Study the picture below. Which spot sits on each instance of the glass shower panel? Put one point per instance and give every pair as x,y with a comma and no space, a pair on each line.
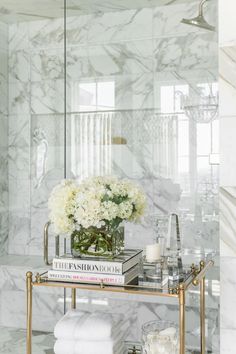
139,84
36,120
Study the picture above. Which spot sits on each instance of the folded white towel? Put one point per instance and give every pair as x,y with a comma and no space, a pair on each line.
86,347
81,325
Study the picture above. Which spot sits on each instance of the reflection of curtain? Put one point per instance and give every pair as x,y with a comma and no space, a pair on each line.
128,143
166,145
92,144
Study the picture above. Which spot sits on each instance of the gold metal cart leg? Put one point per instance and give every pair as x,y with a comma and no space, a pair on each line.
202,311
182,318
29,286
73,298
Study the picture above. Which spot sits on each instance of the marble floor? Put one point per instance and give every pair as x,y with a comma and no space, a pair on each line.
13,341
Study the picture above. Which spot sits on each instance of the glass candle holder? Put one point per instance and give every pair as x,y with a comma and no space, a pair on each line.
160,337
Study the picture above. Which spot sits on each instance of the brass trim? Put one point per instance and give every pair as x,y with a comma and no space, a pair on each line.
45,243
29,288
73,298
202,310
182,318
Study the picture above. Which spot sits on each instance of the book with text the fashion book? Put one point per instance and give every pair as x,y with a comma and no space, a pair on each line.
94,278
118,265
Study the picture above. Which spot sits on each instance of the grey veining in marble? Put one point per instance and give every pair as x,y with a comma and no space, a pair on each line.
227,221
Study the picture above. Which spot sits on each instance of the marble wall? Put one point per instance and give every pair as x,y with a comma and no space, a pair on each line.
227,29
3,137
150,60
140,52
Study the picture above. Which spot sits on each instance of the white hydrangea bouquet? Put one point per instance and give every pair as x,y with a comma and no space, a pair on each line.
92,213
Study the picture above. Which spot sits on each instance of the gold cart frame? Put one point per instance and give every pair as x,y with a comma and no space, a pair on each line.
195,278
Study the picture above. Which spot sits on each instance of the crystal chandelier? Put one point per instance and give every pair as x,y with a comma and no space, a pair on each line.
200,107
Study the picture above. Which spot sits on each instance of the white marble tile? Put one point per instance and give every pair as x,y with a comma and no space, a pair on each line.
188,52
227,24
109,60
19,98
3,131
18,36
19,231
4,220
228,146
77,31
227,81
47,97
13,341
4,36
19,66
47,33
19,162
227,221
47,64
227,341
19,195
119,26
227,300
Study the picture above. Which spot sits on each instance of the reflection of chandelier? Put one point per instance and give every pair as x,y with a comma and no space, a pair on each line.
199,107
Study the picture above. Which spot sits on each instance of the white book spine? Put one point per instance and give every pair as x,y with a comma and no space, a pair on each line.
87,266
86,277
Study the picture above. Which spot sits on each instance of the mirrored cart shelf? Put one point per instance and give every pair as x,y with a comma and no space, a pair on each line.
195,277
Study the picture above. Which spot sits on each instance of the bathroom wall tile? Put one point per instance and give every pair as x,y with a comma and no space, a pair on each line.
18,36
119,26
47,97
109,60
227,25
227,222
228,144
19,162
3,97
227,81
19,66
134,92
77,31
19,130
19,98
3,130
19,231
47,33
4,36
3,231
19,197
227,300
227,341
189,52
47,64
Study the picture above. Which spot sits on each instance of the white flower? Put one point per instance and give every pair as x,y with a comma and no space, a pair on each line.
61,206
97,202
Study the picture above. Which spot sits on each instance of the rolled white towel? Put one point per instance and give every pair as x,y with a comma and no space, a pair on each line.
68,324
82,325
87,347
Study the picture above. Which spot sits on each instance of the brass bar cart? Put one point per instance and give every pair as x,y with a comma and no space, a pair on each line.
196,277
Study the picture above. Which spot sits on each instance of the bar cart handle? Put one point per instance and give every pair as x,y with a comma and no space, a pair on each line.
45,244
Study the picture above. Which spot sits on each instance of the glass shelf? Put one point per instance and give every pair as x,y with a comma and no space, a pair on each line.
166,290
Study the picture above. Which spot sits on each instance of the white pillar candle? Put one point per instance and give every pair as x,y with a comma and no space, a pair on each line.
153,252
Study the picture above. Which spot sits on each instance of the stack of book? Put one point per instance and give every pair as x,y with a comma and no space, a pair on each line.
121,270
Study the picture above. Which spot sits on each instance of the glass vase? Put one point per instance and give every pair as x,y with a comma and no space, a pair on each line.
160,337
94,242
